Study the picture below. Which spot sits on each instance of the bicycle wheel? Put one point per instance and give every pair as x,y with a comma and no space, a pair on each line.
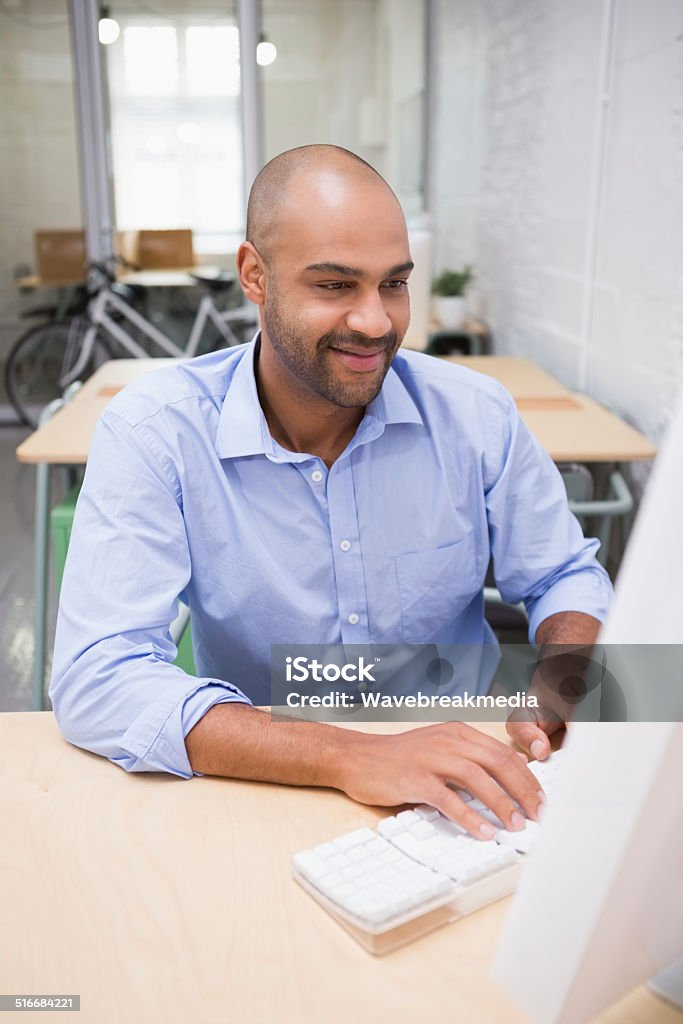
35,365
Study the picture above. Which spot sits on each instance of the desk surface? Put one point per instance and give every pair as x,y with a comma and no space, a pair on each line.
66,438
160,899
175,277
181,277
570,427
522,377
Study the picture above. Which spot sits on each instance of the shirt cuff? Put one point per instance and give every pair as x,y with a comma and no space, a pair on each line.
166,752
589,592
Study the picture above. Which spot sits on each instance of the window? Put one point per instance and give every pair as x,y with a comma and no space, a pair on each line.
176,132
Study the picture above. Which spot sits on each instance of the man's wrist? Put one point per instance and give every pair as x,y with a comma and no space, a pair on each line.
348,759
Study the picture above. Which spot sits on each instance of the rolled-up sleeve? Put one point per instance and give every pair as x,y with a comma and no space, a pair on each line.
114,689
540,555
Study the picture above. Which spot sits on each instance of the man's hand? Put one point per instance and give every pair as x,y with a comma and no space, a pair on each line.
422,765
566,641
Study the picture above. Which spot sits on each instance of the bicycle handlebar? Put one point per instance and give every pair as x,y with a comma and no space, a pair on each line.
100,272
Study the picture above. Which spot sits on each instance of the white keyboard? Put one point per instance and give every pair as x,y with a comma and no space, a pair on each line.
416,870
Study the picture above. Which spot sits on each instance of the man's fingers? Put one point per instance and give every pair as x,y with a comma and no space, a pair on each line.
450,804
501,780
531,738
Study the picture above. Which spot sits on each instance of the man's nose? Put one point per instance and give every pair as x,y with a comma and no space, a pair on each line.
369,316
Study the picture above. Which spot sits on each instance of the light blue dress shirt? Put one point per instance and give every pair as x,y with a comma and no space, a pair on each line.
186,493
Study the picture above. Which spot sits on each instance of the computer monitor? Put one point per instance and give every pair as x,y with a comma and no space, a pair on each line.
600,907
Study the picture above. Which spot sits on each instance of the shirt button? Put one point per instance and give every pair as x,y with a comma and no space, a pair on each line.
316,475
354,619
345,545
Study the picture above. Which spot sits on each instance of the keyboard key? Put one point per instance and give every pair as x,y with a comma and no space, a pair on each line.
427,812
485,812
408,818
422,830
390,826
337,861
310,865
361,835
521,841
324,849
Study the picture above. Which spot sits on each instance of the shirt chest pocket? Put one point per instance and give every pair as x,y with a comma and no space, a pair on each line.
435,587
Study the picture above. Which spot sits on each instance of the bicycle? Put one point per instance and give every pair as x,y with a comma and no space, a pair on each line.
49,357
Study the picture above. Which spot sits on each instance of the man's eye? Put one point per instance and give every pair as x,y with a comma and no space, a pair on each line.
396,285
333,286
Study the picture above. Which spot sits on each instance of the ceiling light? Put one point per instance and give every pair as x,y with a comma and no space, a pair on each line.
265,53
108,29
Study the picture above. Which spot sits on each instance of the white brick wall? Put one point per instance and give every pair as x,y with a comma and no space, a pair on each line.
515,146
38,154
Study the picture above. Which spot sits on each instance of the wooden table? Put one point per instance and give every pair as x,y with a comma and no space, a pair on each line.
66,438
158,899
571,427
175,277
522,377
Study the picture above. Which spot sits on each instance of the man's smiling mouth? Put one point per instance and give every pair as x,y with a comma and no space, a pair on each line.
359,359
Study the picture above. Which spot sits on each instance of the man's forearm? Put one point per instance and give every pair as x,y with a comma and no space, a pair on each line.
239,741
566,643
415,766
568,628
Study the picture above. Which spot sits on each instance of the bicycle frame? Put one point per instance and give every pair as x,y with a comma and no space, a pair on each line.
98,313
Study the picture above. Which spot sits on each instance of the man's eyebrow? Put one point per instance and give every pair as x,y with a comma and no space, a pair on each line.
343,271
402,268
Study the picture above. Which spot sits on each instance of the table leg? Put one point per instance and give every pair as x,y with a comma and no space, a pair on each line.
41,581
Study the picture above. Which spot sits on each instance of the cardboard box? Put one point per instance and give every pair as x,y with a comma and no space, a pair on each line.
60,256
157,249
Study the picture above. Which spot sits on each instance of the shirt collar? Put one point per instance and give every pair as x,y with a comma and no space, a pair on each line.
242,427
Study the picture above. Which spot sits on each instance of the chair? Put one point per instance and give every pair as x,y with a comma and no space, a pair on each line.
157,249
617,502
580,486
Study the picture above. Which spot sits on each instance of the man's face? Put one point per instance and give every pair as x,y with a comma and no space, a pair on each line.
336,305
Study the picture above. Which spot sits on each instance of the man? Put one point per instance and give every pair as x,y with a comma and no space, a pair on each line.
302,489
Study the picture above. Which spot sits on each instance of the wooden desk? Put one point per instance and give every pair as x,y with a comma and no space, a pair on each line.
180,277
164,900
173,278
33,281
571,427
575,428
522,377
65,439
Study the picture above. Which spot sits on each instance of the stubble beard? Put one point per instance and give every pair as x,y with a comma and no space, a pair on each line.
316,373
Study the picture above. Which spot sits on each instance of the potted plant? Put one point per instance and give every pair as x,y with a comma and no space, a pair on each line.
449,290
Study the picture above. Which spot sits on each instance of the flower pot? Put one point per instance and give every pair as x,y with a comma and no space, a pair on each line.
450,310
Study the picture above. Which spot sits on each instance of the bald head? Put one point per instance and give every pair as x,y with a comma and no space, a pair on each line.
288,179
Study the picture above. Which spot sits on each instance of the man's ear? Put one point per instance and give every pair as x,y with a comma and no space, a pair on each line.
251,273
